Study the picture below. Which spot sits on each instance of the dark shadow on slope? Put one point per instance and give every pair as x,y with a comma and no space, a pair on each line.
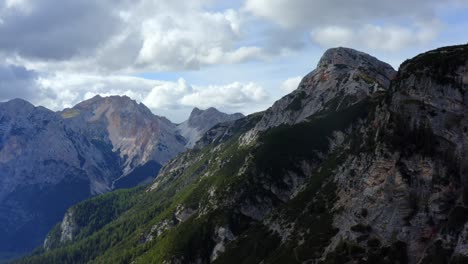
141,175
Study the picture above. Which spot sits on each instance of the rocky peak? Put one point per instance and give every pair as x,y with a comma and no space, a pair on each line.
355,59
342,78
17,106
18,114
195,112
18,102
129,127
115,103
201,121
210,116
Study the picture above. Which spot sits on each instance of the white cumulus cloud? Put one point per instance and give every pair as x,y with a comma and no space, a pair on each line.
173,99
232,96
379,25
290,84
387,38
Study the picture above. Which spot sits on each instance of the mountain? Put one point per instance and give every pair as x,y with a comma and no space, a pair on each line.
42,172
52,160
200,121
140,139
361,164
343,76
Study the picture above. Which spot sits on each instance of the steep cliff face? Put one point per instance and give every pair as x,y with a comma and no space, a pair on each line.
367,170
412,183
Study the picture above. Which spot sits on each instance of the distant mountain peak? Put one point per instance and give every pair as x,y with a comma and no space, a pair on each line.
201,121
19,102
113,99
18,106
200,112
99,105
196,111
51,160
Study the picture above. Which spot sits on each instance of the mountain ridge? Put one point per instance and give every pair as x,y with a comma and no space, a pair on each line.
340,76
52,160
375,173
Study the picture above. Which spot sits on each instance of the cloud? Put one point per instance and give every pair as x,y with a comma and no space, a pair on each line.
173,99
378,25
68,51
122,35
167,95
387,38
230,96
290,84
125,36
55,29
17,82
305,13
68,89
201,38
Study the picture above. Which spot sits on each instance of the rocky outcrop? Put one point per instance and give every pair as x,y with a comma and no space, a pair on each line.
222,237
68,228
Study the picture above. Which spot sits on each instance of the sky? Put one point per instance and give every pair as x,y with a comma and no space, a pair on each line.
235,55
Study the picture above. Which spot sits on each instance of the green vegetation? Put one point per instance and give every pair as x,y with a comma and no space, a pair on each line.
114,228
296,103
309,212
70,113
283,146
440,64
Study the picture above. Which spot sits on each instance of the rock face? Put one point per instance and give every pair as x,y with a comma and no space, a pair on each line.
52,160
343,77
200,121
43,171
413,183
358,165
128,129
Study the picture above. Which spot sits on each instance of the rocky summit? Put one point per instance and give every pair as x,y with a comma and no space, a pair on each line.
343,76
52,160
360,164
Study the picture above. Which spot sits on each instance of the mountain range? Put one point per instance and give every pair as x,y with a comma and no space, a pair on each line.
52,160
360,164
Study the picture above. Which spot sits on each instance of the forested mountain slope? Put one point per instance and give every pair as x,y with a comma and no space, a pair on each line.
360,164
